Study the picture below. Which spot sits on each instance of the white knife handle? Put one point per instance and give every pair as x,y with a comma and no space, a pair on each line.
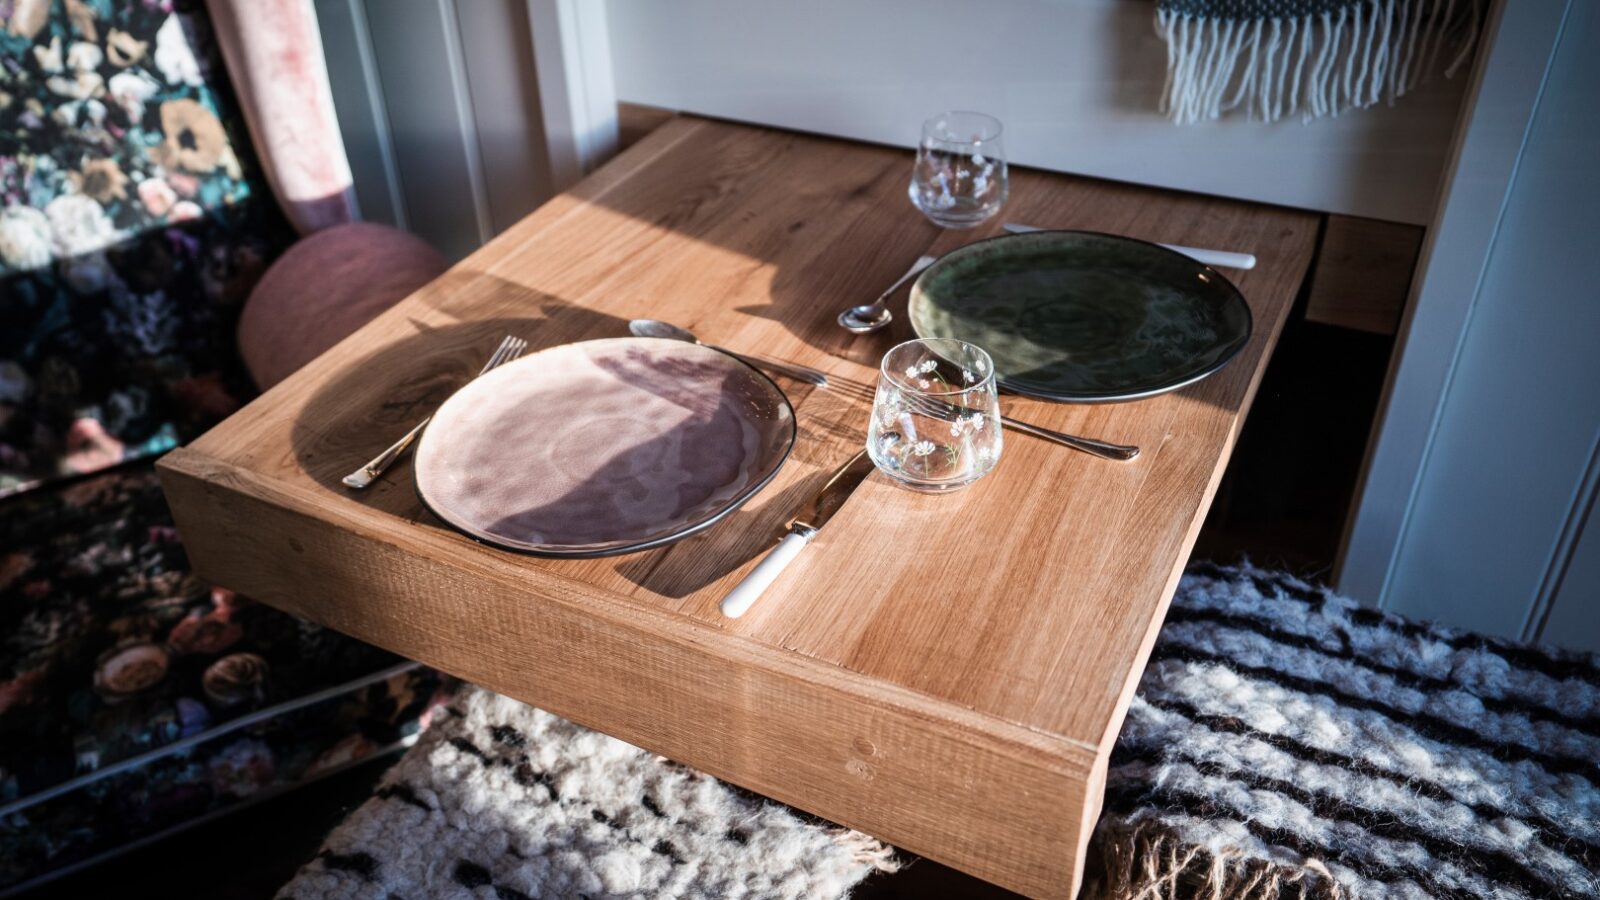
746,592
1225,258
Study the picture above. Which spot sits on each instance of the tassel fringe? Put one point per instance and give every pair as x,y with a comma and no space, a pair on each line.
1313,65
1147,861
865,850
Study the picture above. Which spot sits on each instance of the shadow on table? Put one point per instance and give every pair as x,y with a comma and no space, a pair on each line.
353,415
361,409
682,568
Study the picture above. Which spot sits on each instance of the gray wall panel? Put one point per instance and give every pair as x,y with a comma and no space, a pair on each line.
358,99
505,107
435,156
438,101
1508,467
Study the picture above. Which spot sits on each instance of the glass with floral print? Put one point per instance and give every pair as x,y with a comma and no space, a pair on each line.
935,420
959,179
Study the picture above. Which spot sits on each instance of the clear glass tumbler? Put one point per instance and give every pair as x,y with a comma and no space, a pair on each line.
935,420
959,179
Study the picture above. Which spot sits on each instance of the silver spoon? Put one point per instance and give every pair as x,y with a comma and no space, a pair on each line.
875,315
658,329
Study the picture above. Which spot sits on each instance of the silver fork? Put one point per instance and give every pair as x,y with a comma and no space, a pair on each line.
940,410
509,349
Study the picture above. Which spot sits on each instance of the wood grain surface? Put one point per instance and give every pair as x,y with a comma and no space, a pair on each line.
1362,278
946,672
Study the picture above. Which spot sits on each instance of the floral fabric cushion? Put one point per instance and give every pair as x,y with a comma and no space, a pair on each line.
133,223
111,649
243,760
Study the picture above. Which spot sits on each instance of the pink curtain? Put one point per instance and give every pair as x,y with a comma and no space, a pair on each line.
274,55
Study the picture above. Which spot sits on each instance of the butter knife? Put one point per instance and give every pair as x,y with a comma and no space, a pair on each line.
805,526
1226,259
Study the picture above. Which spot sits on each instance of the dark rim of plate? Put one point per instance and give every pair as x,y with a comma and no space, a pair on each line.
652,543
1103,397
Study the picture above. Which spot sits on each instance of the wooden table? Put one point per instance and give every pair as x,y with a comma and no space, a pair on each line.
947,672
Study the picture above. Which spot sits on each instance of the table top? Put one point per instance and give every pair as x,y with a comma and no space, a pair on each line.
1023,606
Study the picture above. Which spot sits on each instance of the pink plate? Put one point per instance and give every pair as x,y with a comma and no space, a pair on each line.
603,447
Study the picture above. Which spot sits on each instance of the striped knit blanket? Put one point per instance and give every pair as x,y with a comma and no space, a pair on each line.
1286,742
499,799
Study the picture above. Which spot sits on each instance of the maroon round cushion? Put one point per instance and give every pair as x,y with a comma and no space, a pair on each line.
324,288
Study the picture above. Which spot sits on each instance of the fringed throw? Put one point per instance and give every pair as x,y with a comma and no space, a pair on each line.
1288,743
1306,58
502,800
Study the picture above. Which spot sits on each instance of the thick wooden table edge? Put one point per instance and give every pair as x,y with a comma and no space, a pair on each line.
983,793
795,729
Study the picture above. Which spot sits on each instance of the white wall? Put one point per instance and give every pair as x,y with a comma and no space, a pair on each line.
1498,533
1076,83
439,107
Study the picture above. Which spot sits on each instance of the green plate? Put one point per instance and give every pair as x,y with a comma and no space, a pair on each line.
1081,316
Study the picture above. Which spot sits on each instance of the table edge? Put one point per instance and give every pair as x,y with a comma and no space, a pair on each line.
619,609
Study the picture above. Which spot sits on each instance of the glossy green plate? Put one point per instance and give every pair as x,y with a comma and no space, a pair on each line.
1082,316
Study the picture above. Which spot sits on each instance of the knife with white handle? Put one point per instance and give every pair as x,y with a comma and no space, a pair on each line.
1225,258
804,527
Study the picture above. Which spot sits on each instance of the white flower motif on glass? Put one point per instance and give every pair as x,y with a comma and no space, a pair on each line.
921,368
963,424
967,377
986,453
923,448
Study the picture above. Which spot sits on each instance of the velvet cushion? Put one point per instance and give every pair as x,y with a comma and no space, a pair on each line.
324,288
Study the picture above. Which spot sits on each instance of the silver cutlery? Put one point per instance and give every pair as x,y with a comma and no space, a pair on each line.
950,411
1227,259
509,349
802,529
875,315
658,329
1102,449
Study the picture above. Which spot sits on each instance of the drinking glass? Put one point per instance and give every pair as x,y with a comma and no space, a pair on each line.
959,179
935,420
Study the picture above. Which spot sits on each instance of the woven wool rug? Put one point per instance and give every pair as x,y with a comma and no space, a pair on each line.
499,799
1286,742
